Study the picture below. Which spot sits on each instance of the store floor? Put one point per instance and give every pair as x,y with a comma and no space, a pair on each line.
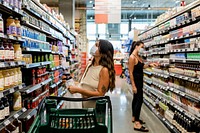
121,101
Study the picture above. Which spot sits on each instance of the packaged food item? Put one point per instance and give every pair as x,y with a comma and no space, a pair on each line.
18,27
1,24
6,107
18,52
1,81
6,51
11,26
6,79
2,116
19,75
17,101
2,52
11,51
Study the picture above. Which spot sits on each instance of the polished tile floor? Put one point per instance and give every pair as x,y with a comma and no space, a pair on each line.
121,102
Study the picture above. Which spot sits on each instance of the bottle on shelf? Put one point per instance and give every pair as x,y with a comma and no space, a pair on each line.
1,24
19,75
12,77
6,79
16,76
2,116
1,81
17,52
6,51
17,101
11,51
2,52
6,107
18,27
11,26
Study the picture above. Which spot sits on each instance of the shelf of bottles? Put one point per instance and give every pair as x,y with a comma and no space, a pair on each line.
173,89
35,50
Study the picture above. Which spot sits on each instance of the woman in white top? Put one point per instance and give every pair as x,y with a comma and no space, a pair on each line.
100,75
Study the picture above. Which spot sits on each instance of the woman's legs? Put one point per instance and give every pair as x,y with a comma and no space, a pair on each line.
133,106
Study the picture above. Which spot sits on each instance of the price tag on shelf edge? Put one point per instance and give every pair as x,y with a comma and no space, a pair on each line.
7,122
12,90
24,109
1,95
16,116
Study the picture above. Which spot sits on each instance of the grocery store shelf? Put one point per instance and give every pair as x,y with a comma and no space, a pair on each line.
10,37
32,88
26,23
185,50
55,68
11,90
195,80
34,40
38,64
13,115
42,74
56,84
196,61
181,93
174,103
165,121
195,4
9,10
8,64
28,114
160,86
62,94
148,81
161,75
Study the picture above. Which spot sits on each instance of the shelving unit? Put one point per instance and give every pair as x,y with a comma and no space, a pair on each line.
174,85
47,52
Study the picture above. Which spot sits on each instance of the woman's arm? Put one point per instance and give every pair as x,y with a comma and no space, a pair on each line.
150,65
102,86
131,64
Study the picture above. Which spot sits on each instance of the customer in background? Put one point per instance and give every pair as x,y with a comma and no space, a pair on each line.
99,76
136,66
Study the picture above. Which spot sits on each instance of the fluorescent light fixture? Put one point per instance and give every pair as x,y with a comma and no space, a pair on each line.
133,2
91,17
149,7
91,1
177,1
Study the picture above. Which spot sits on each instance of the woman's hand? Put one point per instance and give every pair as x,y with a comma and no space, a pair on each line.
134,89
73,89
154,64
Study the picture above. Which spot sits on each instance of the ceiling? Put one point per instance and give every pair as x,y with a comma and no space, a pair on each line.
135,8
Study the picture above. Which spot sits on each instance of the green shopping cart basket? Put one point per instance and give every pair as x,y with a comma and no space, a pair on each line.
88,120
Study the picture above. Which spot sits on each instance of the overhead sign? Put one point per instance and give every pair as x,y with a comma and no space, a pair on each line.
107,11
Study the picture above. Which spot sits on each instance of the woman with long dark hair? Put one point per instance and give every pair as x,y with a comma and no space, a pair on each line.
136,66
100,75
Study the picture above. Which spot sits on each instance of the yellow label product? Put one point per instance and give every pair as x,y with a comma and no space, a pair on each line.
11,26
17,101
1,81
17,52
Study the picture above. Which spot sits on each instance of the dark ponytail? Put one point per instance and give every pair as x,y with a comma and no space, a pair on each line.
133,45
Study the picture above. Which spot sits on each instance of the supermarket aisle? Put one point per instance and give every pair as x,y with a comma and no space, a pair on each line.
121,101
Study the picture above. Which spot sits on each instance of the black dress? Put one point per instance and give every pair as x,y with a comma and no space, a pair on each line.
138,97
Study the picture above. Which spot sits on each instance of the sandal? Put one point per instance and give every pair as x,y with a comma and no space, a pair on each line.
142,129
141,122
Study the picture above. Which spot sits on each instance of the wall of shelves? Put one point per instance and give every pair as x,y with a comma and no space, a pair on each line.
175,85
48,50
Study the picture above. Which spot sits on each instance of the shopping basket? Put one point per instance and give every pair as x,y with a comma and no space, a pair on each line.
87,120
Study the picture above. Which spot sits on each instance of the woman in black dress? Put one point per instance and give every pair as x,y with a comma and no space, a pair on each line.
136,66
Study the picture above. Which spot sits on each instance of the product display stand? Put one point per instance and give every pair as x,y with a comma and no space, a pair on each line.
172,90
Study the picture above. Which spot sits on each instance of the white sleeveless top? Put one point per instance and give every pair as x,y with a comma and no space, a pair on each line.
90,82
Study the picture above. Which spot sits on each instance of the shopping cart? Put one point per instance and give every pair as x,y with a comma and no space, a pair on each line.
89,120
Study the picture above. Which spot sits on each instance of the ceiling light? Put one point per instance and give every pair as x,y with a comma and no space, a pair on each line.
149,7
133,2
91,17
91,1
135,18
177,1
